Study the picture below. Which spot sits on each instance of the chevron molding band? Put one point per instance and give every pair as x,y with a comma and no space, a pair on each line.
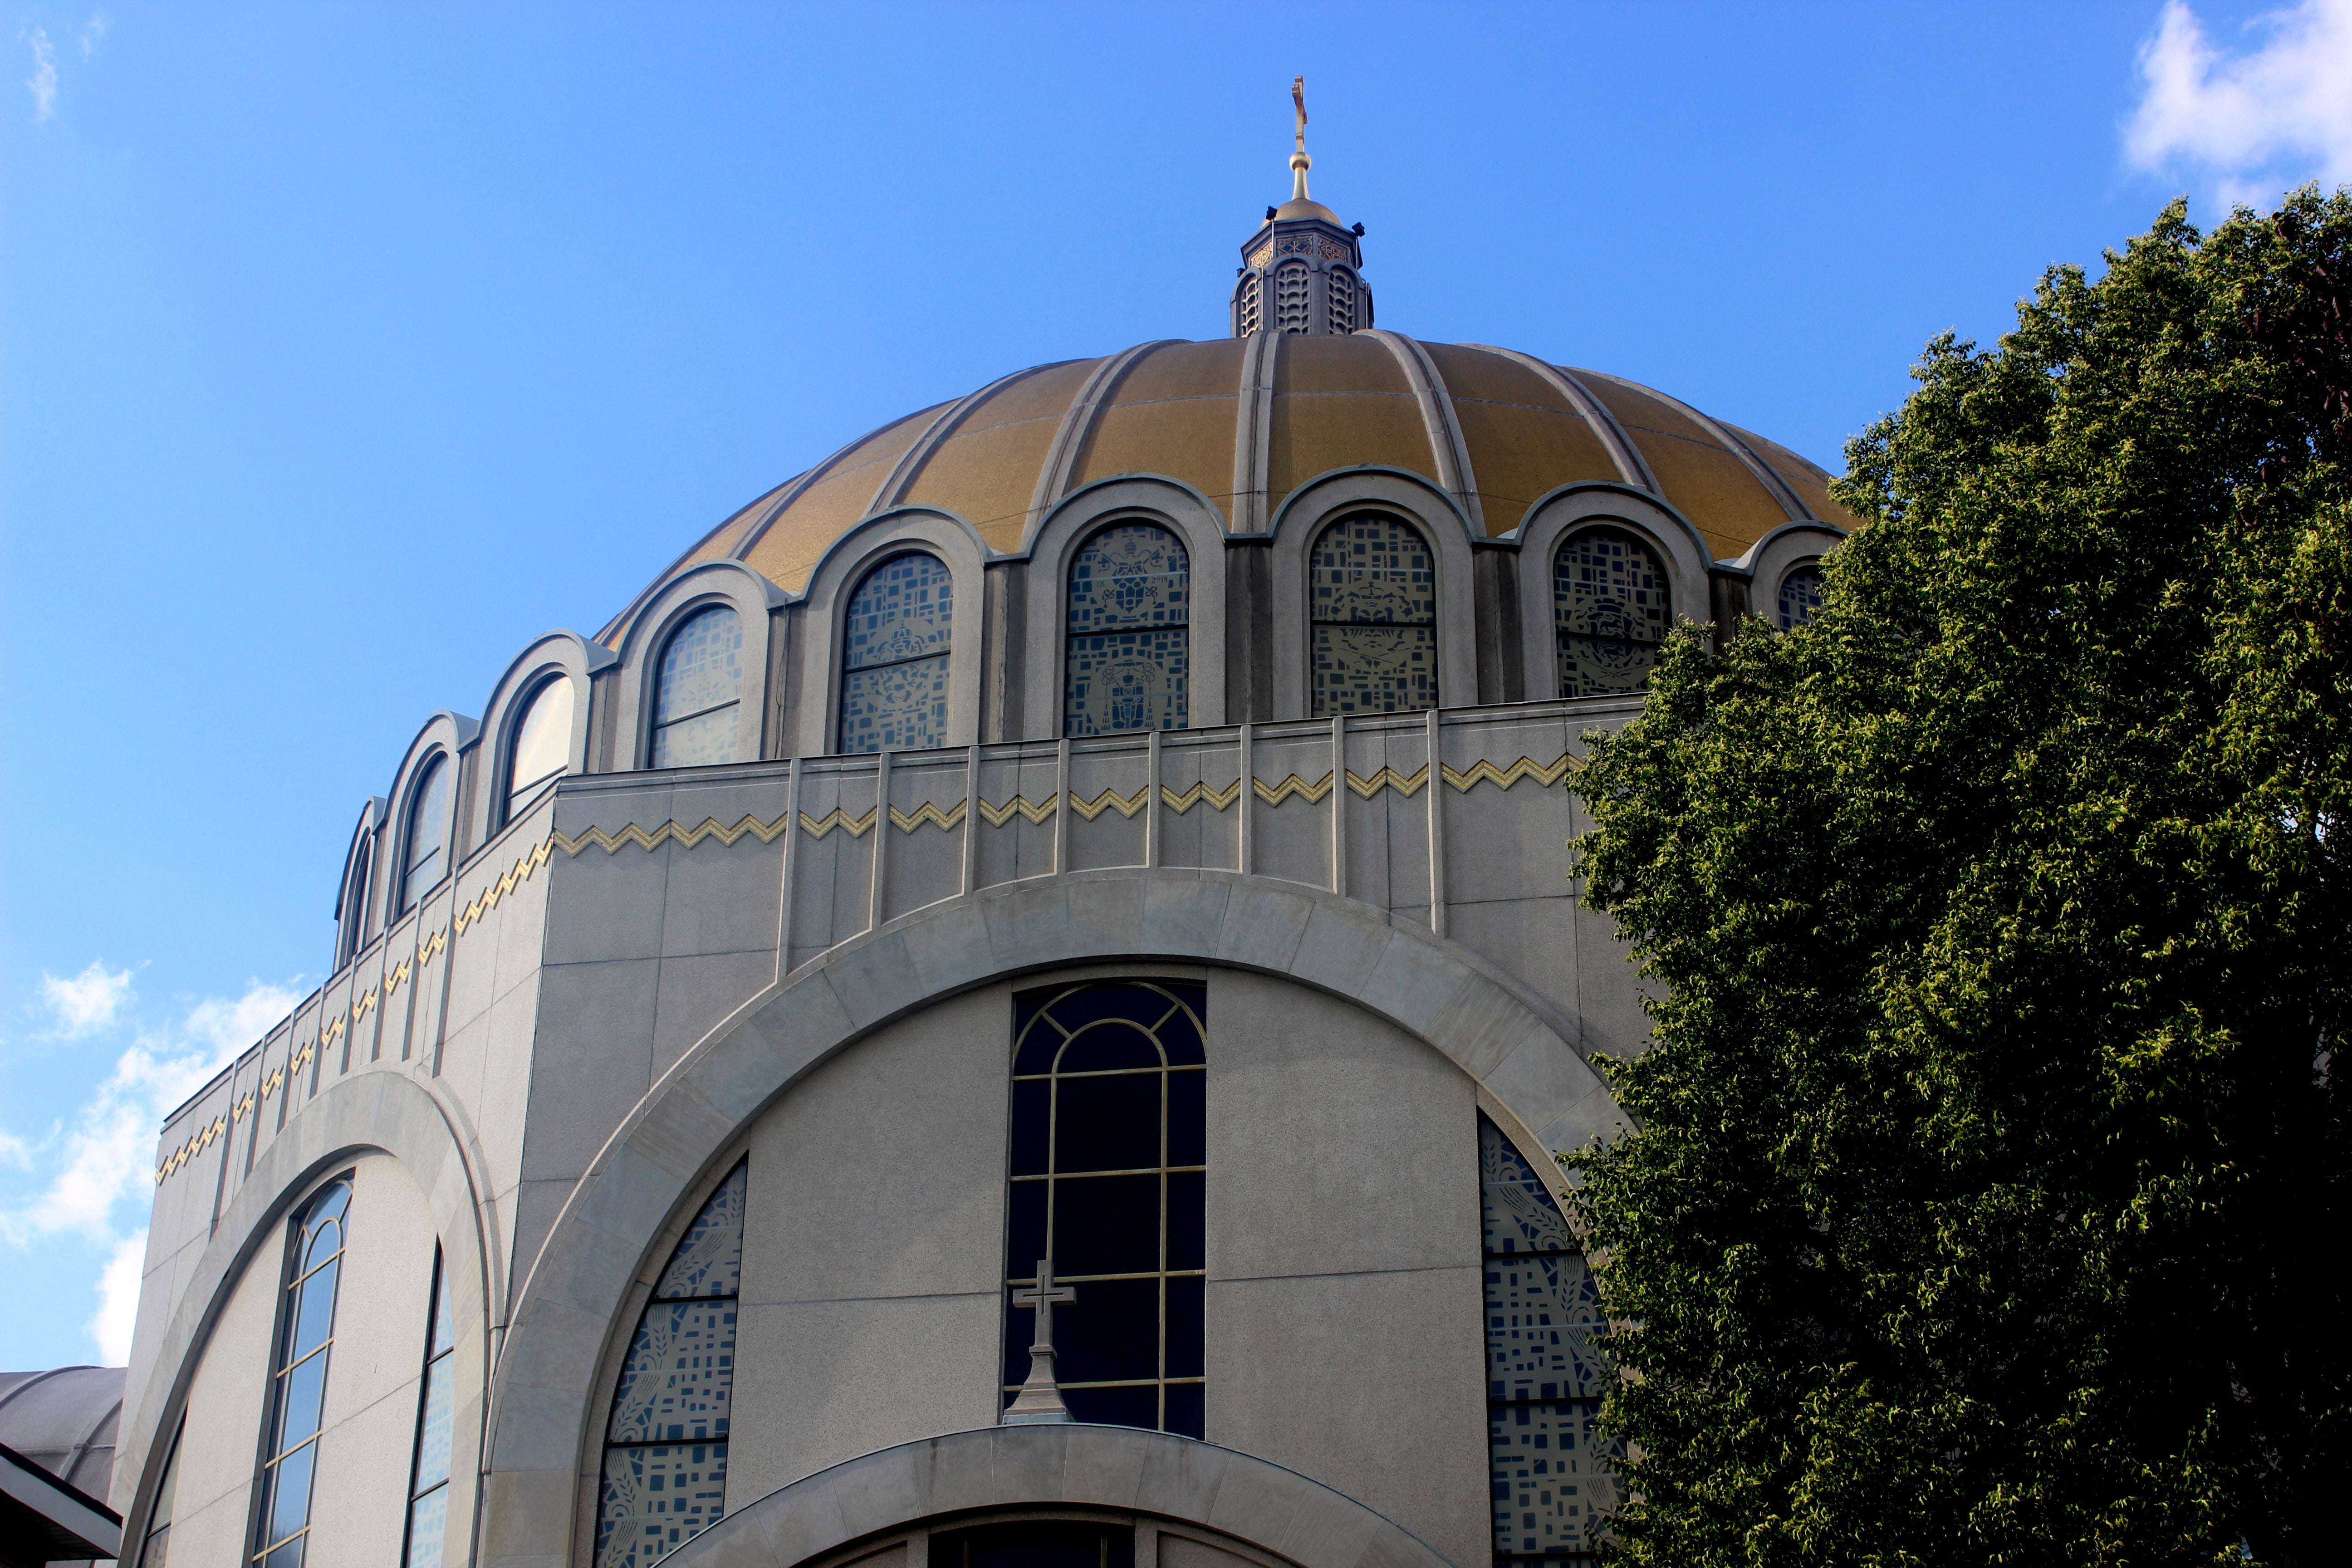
818,826
332,1032
1525,768
1185,800
1389,778
905,822
397,978
1292,785
708,828
1110,800
433,947
512,877
212,1132
998,815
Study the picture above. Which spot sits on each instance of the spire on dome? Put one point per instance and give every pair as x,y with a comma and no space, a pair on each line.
1300,272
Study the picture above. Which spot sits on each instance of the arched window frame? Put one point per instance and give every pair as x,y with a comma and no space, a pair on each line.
1410,498
1778,612
1641,641
454,737
844,566
439,768
1053,548
1678,545
646,638
878,592
353,904
291,1348
557,655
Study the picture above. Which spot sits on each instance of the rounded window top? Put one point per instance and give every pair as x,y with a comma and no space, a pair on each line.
1800,596
1611,612
427,858
543,744
896,637
1127,664
1372,586
697,689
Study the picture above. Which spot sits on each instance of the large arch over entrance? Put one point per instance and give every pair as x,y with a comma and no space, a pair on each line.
1525,1057
1123,1470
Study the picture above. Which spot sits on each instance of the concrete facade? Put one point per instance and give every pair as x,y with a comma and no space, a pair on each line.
807,963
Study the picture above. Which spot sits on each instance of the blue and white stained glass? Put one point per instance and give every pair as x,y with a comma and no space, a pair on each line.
1372,585
664,1477
1800,596
1129,653
1545,1371
1610,612
697,689
894,665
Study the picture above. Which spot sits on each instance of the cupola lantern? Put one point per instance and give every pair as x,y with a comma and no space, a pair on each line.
1302,271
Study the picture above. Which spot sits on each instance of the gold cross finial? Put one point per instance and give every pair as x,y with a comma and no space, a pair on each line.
1299,160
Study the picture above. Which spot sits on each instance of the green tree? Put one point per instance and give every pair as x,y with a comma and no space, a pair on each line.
1988,1199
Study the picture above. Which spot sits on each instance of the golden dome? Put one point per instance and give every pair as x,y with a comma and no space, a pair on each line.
1510,427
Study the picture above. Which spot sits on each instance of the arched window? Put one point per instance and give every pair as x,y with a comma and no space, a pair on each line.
1290,297
429,1470
305,1336
893,659
1109,1133
1608,610
1800,596
541,751
666,1445
1372,596
1544,1372
157,1547
1249,306
350,923
1342,286
1127,647
425,853
697,689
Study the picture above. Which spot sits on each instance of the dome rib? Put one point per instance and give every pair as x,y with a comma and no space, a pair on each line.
1078,424
892,490
1445,442
1621,451
1773,484
1253,435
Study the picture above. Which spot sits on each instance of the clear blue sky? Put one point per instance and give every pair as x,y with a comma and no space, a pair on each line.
348,347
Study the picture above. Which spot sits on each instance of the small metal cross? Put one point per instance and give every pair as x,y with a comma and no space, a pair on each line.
1043,1296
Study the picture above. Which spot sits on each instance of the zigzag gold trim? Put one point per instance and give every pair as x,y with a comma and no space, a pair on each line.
1109,800
274,1082
1292,785
905,822
514,877
708,828
363,1006
1525,768
998,815
1185,800
818,826
241,1108
188,1151
333,1029
304,1057
1389,778
433,947
397,978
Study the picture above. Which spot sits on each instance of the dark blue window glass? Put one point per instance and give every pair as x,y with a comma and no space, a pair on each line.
1109,1106
306,1340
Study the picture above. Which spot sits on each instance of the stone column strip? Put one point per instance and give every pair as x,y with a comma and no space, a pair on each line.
1253,433
1245,839
1339,804
789,864
1078,424
1064,797
1445,442
881,855
1152,802
971,820
1435,792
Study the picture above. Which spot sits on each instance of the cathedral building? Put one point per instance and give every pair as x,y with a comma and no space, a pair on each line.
1015,1005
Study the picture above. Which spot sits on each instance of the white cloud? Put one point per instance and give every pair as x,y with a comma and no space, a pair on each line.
118,1300
2253,122
43,82
93,30
88,1002
101,1157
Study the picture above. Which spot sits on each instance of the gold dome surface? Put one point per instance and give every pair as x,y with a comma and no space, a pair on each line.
1172,409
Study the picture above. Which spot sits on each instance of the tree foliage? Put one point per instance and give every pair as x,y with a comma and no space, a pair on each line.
1988,1200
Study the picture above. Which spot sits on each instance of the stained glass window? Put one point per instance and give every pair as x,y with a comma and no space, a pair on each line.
1371,587
428,1471
894,661
1608,610
543,744
306,1337
1129,647
157,1549
1544,1372
666,1447
428,833
1800,595
1109,1131
697,689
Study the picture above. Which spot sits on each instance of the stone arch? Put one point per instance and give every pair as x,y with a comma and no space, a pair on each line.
1524,1056
1126,1469
369,1113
